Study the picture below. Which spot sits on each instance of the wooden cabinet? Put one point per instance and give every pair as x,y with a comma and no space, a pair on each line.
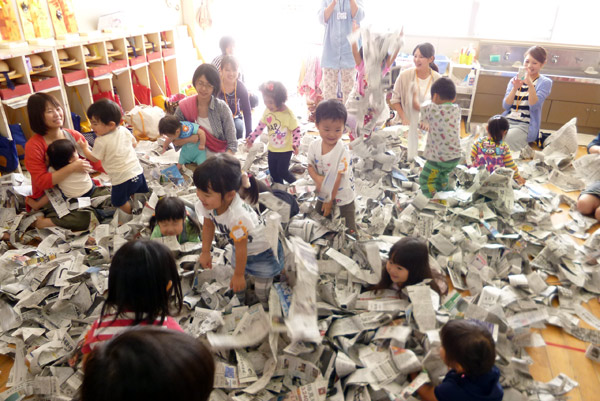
588,114
74,71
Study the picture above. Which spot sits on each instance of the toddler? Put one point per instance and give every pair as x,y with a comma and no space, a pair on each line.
189,136
171,218
468,350
492,152
284,132
114,146
218,181
330,164
441,118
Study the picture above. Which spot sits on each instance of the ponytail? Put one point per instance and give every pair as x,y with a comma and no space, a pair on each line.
434,67
249,190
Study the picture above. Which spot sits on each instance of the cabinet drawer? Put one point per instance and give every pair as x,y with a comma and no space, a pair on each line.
561,112
492,85
594,116
487,105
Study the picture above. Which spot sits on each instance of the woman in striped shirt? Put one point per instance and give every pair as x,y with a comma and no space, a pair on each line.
524,100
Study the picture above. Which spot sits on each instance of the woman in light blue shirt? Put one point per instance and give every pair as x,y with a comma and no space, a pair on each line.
337,59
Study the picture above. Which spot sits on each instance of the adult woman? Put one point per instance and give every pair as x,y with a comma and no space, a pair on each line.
234,93
524,100
46,117
212,114
413,85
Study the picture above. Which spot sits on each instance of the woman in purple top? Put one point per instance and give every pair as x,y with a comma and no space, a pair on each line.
234,93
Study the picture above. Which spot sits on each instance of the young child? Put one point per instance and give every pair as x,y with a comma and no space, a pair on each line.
441,118
330,164
492,152
142,280
61,153
190,136
218,181
407,264
468,350
284,132
171,218
114,146
148,363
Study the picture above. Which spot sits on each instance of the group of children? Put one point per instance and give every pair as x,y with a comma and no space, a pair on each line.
144,286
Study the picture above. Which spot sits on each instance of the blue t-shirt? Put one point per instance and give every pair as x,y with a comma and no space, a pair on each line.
188,129
468,388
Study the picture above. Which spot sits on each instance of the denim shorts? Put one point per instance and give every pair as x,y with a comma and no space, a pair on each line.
121,193
264,264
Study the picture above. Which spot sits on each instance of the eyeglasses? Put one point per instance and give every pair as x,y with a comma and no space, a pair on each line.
204,85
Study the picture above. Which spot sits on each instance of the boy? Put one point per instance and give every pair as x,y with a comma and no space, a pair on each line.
469,351
330,164
114,146
186,135
441,118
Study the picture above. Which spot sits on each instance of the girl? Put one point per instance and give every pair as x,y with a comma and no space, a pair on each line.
284,132
171,218
469,351
218,181
142,280
492,152
234,93
369,105
408,264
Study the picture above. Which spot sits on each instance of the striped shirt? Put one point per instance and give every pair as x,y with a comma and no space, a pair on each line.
486,152
519,110
111,327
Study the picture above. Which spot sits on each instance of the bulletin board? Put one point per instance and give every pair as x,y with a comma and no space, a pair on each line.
9,28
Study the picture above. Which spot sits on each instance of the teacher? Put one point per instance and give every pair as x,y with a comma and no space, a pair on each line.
337,59
46,117
524,100
212,114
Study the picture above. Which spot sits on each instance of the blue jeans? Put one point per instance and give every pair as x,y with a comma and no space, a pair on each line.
264,264
239,127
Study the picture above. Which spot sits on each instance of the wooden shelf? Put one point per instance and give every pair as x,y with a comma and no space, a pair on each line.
11,76
114,54
45,69
69,63
92,58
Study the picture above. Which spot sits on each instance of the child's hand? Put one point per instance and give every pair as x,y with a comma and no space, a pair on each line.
295,149
83,143
520,180
424,126
201,147
326,209
80,166
248,145
205,260
238,283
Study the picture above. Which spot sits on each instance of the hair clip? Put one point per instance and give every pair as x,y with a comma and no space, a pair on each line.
246,180
270,86
497,117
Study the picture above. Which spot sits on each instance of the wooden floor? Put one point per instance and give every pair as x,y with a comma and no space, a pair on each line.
562,353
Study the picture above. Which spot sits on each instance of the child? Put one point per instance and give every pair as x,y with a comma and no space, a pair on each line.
441,118
61,153
407,264
492,152
142,279
218,181
190,136
171,218
468,350
335,185
148,363
250,195
284,132
114,146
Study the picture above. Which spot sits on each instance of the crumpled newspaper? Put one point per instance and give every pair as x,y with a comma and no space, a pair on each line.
324,335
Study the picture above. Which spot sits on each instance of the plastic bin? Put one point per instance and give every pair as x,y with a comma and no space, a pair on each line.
442,63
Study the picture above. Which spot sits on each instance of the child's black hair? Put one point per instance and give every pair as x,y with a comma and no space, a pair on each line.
250,194
445,88
413,254
172,208
149,363
275,90
106,111
221,173
211,74
59,153
331,109
138,277
225,42
427,50
168,125
497,127
229,60
469,344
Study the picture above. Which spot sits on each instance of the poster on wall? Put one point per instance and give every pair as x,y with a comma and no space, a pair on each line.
63,17
34,19
9,28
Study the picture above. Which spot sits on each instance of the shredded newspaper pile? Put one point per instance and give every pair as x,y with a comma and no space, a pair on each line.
325,336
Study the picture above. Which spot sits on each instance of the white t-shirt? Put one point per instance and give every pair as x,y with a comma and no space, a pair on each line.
443,139
239,221
117,154
75,185
322,164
